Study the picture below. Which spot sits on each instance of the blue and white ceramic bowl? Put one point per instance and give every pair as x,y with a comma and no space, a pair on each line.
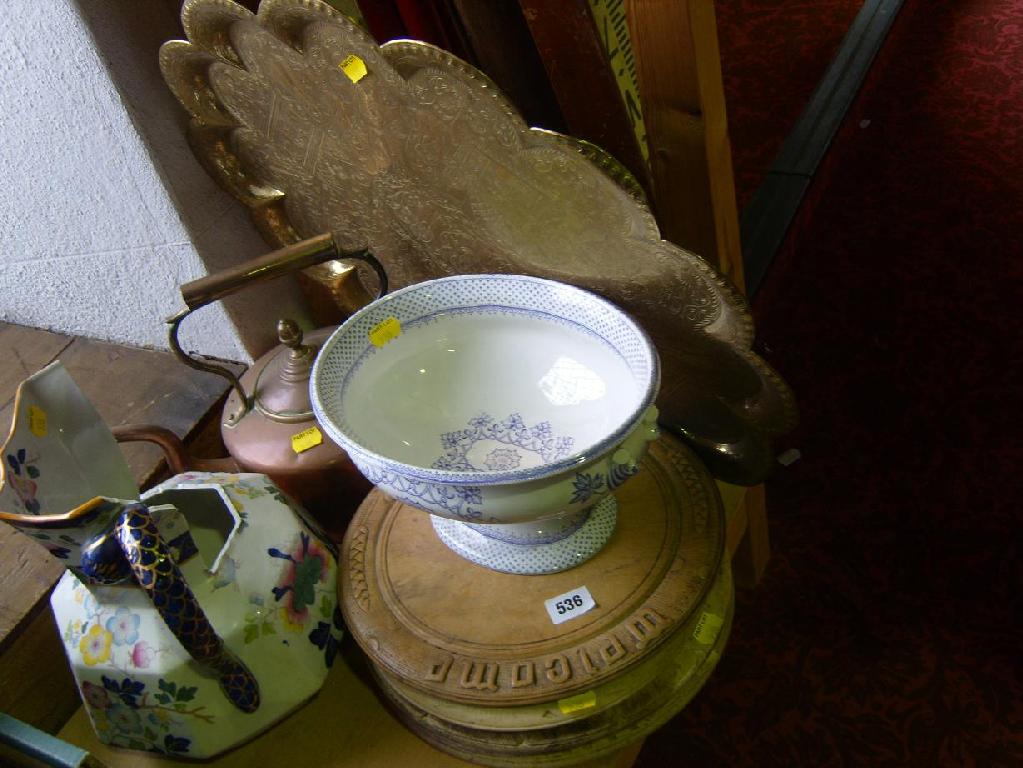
491,399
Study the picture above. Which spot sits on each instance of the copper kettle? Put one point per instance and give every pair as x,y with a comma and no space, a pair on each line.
267,423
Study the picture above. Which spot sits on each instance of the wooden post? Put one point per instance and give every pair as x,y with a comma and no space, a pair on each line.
679,69
678,64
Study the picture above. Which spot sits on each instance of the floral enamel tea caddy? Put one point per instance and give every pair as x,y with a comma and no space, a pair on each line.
193,618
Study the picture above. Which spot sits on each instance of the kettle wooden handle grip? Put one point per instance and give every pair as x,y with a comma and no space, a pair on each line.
283,261
291,258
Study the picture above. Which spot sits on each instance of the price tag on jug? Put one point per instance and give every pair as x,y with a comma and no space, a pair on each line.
569,605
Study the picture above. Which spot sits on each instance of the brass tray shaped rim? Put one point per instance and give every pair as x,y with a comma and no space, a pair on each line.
419,157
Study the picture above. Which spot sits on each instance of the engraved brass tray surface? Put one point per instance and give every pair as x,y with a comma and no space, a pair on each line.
463,633
423,161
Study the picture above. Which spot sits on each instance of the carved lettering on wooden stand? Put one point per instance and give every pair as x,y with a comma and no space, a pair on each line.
611,649
645,627
523,674
557,669
438,673
479,675
586,661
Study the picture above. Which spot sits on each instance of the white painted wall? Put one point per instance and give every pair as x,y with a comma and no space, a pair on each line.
104,211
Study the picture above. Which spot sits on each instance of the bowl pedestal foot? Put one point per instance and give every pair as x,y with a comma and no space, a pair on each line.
532,548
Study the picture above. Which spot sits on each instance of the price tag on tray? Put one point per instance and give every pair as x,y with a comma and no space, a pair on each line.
567,606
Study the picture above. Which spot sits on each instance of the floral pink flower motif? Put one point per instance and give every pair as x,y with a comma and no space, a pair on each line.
26,490
95,696
95,645
308,565
142,654
124,626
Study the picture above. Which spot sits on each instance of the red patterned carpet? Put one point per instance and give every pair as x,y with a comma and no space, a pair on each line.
888,630
773,54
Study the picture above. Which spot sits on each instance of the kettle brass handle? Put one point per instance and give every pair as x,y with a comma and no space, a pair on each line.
205,290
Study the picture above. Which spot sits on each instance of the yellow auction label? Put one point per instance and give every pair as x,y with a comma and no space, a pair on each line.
385,331
576,703
354,67
707,627
306,439
37,421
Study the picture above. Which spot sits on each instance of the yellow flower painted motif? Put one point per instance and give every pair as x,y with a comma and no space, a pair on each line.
290,625
95,645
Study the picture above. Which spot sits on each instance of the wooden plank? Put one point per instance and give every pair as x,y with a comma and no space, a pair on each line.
36,685
33,658
746,533
569,44
754,548
732,499
679,68
27,573
24,351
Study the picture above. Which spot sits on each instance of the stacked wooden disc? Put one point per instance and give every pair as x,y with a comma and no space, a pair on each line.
471,660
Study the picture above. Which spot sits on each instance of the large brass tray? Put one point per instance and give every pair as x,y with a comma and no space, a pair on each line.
417,156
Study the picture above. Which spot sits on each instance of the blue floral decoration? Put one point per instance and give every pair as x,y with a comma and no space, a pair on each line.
173,743
126,690
470,494
327,640
586,486
512,431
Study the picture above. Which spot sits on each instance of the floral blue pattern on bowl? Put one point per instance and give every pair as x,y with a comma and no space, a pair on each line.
537,445
352,402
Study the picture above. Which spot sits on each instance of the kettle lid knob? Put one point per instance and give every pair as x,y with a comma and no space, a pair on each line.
289,333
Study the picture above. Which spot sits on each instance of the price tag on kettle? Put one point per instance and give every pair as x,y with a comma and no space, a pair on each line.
567,606
306,439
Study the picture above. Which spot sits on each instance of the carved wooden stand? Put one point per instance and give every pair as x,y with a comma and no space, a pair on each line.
471,661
